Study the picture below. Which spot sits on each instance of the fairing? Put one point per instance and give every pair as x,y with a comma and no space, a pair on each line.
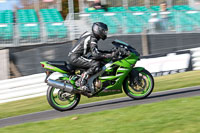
124,67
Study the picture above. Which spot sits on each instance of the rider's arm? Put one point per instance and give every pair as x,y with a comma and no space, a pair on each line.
103,51
96,53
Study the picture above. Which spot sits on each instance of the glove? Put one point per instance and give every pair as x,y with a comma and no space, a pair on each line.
108,56
115,53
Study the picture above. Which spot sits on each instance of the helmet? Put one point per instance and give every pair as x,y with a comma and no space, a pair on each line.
100,30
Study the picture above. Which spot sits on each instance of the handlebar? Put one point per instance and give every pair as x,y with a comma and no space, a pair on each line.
120,54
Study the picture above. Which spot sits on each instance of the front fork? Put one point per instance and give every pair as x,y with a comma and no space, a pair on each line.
134,75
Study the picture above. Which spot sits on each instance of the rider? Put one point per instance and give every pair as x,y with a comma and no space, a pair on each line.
87,44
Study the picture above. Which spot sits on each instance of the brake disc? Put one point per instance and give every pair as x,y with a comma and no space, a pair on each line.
140,86
63,96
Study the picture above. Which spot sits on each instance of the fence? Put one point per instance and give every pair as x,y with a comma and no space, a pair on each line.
19,34
135,22
34,86
146,3
124,22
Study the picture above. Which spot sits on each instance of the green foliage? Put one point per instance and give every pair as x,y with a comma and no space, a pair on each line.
65,7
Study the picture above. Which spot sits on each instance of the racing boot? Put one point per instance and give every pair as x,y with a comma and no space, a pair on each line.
83,82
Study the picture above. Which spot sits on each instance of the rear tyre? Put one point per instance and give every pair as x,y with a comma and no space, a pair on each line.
62,101
142,89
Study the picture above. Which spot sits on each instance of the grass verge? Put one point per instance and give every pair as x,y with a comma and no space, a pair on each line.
168,82
171,116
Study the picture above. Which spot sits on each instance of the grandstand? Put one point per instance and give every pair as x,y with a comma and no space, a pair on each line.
30,22
44,24
182,18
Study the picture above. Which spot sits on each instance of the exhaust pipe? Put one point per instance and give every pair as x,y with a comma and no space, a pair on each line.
67,87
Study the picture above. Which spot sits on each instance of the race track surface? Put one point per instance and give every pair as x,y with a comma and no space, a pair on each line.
102,105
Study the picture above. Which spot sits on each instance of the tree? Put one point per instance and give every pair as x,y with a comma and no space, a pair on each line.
65,7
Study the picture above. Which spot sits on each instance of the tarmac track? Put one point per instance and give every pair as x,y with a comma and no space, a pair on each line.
102,105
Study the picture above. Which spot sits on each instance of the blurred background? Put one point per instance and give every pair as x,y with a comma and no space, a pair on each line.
37,30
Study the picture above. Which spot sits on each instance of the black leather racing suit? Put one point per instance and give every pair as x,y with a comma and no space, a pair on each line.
87,44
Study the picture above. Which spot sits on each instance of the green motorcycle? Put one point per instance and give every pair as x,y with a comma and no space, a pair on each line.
117,73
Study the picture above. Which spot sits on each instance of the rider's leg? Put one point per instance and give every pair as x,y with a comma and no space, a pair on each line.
95,67
82,62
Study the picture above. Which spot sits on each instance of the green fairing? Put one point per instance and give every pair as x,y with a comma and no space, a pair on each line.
121,73
139,69
52,68
66,77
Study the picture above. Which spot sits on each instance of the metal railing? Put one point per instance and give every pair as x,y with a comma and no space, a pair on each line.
136,22
137,3
19,34
180,2
147,3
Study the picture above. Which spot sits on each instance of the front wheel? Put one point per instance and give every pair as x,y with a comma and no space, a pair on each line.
142,88
62,101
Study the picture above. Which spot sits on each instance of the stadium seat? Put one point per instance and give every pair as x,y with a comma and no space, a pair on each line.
6,24
194,17
28,24
53,21
155,8
135,21
182,7
107,18
138,8
116,9
121,19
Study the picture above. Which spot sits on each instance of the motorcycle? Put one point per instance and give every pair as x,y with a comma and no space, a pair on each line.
120,72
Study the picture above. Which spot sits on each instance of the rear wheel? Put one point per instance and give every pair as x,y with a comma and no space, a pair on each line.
62,101
142,89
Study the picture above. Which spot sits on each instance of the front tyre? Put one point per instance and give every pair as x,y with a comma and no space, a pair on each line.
142,88
62,101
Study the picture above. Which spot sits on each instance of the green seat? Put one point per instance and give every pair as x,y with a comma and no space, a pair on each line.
138,8
116,9
6,20
182,7
28,24
54,23
155,8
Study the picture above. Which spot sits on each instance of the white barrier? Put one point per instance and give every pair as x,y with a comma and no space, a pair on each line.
4,64
196,58
34,86
23,87
166,64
